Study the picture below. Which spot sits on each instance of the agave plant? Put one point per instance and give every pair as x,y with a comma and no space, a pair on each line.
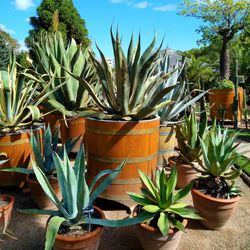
188,136
44,160
19,99
76,207
131,89
49,55
162,202
180,96
3,158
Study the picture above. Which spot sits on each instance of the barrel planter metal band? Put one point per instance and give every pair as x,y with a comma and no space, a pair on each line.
108,143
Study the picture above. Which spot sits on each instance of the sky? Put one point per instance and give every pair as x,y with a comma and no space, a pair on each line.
150,17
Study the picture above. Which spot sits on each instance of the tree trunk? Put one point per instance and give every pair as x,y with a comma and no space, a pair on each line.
225,60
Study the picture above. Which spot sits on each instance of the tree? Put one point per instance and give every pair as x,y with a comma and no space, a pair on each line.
223,19
7,44
58,15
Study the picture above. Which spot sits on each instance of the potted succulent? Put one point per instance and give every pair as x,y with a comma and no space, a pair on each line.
43,158
129,126
221,96
188,136
6,203
215,195
172,114
72,100
77,224
19,112
163,230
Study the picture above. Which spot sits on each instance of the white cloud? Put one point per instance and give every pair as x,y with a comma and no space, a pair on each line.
23,4
22,46
27,19
142,5
117,1
168,7
4,28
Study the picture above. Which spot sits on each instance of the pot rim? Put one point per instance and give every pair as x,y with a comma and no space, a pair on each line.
72,118
220,200
25,131
156,117
11,200
85,236
154,229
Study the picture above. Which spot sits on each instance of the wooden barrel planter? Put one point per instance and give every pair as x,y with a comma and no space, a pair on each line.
109,142
224,98
18,149
76,128
167,144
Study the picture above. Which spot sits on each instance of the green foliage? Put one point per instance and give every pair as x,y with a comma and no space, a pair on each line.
21,59
188,136
76,207
162,202
19,99
70,24
223,84
51,58
131,89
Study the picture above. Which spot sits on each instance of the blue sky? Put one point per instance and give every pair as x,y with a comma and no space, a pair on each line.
135,16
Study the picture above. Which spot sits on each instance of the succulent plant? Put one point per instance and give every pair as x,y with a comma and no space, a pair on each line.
19,98
3,158
188,136
51,58
223,84
162,202
76,207
130,90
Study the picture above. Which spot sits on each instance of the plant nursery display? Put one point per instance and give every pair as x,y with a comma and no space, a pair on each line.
163,230
74,223
188,136
215,195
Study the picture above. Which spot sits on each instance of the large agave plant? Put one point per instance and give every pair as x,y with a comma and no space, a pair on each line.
52,58
162,202
19,98
76,207
180,96
131,88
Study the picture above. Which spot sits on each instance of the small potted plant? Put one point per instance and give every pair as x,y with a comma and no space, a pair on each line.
43,158
76,223
163,230
221,96
6,203
188,134
215,195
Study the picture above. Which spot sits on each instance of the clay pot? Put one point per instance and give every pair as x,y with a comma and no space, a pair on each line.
151,238
167,144
185,173
6,210
76,128
224,98
89,241
18,149
38,195
54,121
109,142
216,212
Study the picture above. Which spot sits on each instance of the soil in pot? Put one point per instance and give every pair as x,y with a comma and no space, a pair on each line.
151,238
211,200
6,207
40,198
80,238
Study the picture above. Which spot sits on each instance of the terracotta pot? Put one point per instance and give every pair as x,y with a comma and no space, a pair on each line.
89,241
167,144
38,195
109,142
225,98
185,173
53,120
151,237
18,149
76,128
216,212
6,210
